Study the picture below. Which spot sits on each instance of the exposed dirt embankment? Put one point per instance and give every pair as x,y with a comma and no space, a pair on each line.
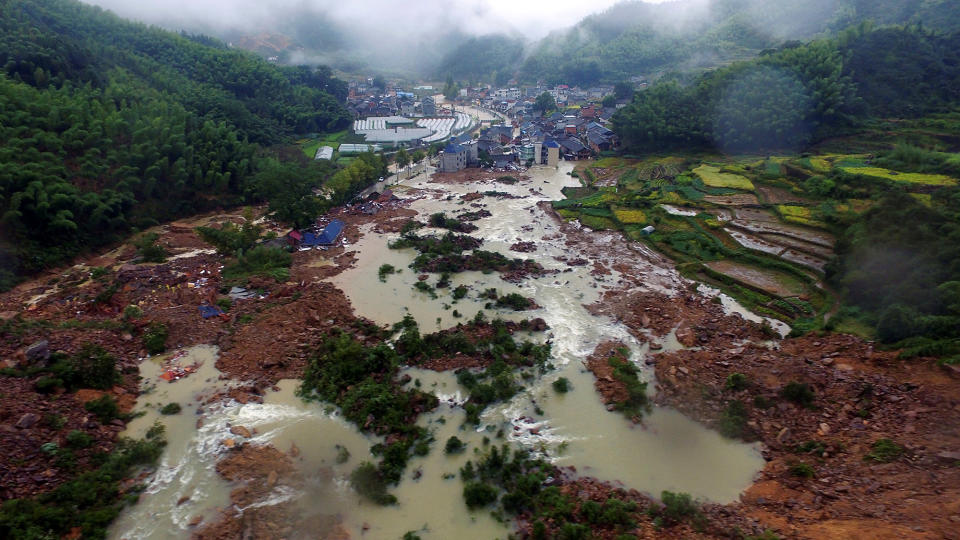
709,520
698,320
857,487
612,390
262,338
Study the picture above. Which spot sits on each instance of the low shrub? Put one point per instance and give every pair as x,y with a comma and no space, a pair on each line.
477,494
801,470
514,301
561,385
88,503
884,451
132,312
676,508
637,402
733,420
171,408
104,408
90,367
78,439
384,271
262,261
366,481
155,338
454,446
799,393
149,250
737,382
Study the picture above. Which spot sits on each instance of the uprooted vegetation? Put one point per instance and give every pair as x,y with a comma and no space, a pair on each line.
446,255
89,502
618,381
514,301
441,221
363,381
531,489
491,345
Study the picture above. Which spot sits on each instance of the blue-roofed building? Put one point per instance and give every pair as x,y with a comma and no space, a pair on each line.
330,234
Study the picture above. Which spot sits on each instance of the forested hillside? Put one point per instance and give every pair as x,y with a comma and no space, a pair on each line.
881,106
483,58
790,97
636,38
108,125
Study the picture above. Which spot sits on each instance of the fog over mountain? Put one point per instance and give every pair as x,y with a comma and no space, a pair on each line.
376,32
425,38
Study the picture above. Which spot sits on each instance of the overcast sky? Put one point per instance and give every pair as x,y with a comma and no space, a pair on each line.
533,18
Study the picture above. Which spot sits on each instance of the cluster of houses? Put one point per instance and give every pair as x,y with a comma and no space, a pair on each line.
365,100
578,130
540,141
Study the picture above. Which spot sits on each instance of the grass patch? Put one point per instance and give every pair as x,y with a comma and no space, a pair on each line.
884,451
260,261
712,177
907,178
630,216
597,223
801,470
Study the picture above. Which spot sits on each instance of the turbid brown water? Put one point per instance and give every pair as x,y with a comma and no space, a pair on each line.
667,452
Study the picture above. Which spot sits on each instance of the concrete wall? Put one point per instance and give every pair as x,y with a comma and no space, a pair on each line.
553,157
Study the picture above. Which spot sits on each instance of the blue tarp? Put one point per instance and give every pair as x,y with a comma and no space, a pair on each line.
210,311
330,234
309,240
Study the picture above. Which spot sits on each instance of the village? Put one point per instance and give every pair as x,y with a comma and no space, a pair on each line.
509,128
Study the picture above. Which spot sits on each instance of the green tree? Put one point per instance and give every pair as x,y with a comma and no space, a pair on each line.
623,90
545,103
402,159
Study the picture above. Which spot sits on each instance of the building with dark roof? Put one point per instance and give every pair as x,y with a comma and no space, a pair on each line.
453,158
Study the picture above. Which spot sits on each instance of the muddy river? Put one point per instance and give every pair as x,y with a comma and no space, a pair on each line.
667,452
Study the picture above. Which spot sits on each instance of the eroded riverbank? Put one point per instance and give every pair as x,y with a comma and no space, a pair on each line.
596,287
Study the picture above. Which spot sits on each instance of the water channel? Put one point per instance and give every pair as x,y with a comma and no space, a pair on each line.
667,452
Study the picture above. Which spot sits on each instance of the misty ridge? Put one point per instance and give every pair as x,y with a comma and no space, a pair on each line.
483,40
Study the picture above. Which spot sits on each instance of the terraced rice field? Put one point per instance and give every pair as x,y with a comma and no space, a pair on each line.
712,177
801,215
630,216
769,281
907,178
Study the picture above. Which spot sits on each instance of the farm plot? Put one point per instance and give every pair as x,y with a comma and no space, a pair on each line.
713,177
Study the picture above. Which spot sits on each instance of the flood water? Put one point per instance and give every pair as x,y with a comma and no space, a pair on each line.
667,452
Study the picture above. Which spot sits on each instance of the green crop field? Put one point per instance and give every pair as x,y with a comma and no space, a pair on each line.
712,177
910,178
630,216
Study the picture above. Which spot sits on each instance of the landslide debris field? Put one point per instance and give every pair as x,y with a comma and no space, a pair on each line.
856,443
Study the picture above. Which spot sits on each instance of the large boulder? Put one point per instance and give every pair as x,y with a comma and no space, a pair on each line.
38,352
28,420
